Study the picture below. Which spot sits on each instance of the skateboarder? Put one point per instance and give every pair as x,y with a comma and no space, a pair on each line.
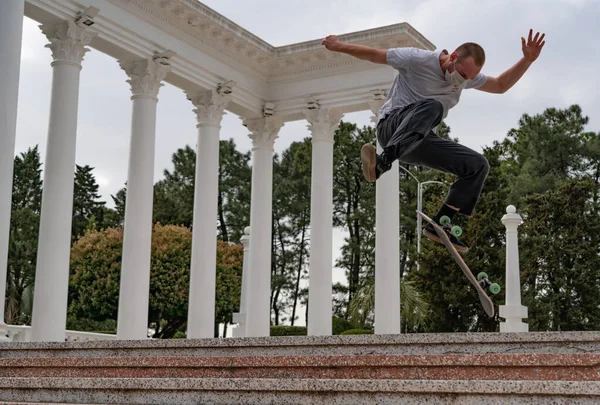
427,85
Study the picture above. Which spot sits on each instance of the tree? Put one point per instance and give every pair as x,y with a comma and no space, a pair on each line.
119,201
174,195
413,308
291,227
546,149
354,206
24,231
560,260
88,211
95,278
235,178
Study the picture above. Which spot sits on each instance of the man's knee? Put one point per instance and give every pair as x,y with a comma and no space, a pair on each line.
482,165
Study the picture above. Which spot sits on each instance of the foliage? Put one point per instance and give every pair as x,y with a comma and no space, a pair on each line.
95,277
23,237
288,331
358,332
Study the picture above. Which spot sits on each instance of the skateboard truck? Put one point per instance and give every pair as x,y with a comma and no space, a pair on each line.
484,282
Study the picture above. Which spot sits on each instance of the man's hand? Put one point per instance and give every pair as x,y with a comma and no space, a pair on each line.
533,47
332,43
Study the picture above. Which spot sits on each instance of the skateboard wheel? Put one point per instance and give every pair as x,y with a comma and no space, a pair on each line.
445,220
456,231
482,275
495,288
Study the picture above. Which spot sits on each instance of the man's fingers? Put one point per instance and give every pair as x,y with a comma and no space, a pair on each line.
530,33
541,38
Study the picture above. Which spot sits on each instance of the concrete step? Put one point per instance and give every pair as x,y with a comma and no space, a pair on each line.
482,368
556,367
450,343
150,391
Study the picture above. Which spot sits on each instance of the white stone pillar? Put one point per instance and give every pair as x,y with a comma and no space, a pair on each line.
513,311
49,317
11,32
263,132
322,124
145,77
240,317
387,245
210,107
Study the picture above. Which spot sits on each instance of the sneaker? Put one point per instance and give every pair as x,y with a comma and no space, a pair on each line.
373,165
429,231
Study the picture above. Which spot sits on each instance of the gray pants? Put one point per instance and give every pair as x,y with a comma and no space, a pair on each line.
407,135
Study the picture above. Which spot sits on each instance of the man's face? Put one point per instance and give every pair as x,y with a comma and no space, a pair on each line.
466,67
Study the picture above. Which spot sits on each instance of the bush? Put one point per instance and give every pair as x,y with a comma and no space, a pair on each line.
288,330
357,332
340,325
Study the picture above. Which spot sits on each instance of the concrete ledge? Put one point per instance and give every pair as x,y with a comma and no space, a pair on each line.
530,342
294,391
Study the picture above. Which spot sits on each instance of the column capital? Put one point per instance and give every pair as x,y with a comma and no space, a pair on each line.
67,40
145,76
210,106
323,122
263,131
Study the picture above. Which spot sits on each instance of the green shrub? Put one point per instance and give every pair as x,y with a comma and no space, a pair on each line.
288,330
357,332
340,325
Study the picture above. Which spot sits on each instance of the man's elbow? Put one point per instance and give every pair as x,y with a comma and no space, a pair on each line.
502,87
379,56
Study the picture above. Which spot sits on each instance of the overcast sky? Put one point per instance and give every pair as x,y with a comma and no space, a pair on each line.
567,72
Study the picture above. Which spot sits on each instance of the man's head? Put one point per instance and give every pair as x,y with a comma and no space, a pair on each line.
468,59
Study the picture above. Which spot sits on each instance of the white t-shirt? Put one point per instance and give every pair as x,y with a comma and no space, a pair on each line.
420,77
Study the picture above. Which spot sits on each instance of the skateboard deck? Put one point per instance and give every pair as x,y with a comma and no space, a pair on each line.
486,302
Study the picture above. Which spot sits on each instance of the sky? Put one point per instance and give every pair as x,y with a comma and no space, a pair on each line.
566,73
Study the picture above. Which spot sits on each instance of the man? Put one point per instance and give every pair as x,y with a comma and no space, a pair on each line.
428,84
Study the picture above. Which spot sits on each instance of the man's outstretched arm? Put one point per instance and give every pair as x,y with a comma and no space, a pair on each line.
531,51
332,43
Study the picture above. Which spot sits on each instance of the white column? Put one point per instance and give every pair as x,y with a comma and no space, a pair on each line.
145,77
240,317
11,31
263,132
67,42
322,124
513,311
387,246
210,107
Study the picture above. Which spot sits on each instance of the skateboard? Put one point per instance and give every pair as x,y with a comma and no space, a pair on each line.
482,281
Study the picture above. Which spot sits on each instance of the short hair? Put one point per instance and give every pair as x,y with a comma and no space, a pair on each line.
471,49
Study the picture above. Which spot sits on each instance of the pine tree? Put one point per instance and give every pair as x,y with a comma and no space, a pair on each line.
24,231
88,210
354,207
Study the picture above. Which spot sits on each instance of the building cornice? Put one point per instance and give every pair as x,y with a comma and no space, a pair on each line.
202,27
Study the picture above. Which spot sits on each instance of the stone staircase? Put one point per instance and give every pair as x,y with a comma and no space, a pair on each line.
481,368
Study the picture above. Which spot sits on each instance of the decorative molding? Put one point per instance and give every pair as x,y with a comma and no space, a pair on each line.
210,106
68,41
263,131
202,26
145,76
322,122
